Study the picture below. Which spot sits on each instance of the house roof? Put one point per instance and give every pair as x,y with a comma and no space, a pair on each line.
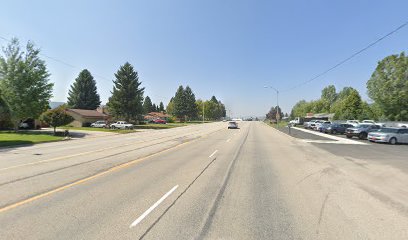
320,115
152,115
87,113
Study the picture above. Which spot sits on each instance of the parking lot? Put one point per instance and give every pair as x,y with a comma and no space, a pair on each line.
355,150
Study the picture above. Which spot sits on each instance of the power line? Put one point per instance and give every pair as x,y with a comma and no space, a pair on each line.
62,62
349,58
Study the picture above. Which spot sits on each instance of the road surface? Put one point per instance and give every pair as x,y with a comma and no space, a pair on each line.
198,182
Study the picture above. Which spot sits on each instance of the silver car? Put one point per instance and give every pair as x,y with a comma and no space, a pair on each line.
232,125
389,135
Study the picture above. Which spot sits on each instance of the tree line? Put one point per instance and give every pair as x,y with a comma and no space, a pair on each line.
387,87
25,91
184,106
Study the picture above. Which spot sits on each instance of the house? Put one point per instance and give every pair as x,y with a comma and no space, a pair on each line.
319,116
155,115
84,118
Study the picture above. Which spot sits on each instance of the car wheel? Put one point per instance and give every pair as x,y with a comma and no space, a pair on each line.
393,141
362,135
349,136
334,132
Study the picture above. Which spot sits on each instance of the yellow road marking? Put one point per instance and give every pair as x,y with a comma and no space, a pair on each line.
121,166
74,155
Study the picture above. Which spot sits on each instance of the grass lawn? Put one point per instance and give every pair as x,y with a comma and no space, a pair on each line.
281,124
159,126
96,129
142,126
10,138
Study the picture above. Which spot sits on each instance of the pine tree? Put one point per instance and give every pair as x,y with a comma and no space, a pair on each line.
154,108
180,106
83,94
170,107
127,95
24,82
147,105
161,107
191,109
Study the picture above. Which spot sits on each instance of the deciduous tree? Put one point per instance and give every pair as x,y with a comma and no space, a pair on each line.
56,117
388,86
24,81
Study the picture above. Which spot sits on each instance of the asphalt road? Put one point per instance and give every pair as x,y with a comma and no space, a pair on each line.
198,182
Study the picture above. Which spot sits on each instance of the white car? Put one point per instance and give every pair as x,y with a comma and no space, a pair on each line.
368,122
24,125
99,124
389,135
353,122
232,125
121,125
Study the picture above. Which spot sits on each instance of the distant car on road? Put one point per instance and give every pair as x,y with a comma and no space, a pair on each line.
232,125
121,125
361,131
99,124
389,135
336,128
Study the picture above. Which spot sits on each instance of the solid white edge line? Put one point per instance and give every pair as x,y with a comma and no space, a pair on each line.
212,154
139,219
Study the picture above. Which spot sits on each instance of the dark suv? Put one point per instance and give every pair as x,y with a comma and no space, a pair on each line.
336,128
361,131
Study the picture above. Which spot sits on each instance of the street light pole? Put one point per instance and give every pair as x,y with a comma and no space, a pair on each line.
277,102
203,111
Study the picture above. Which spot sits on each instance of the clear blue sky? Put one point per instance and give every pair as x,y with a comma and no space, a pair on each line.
229,49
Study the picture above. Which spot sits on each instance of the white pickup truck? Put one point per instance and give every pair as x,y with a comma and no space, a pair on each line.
121,125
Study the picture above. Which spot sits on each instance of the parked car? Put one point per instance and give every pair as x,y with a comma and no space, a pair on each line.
309,124
336,128
296,121
389,135
23,125
353,122
368,121
232,125
318,125
121,125
361,131
324,126
159,121
99,124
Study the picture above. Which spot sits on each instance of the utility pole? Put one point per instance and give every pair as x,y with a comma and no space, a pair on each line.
203,111
277,103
